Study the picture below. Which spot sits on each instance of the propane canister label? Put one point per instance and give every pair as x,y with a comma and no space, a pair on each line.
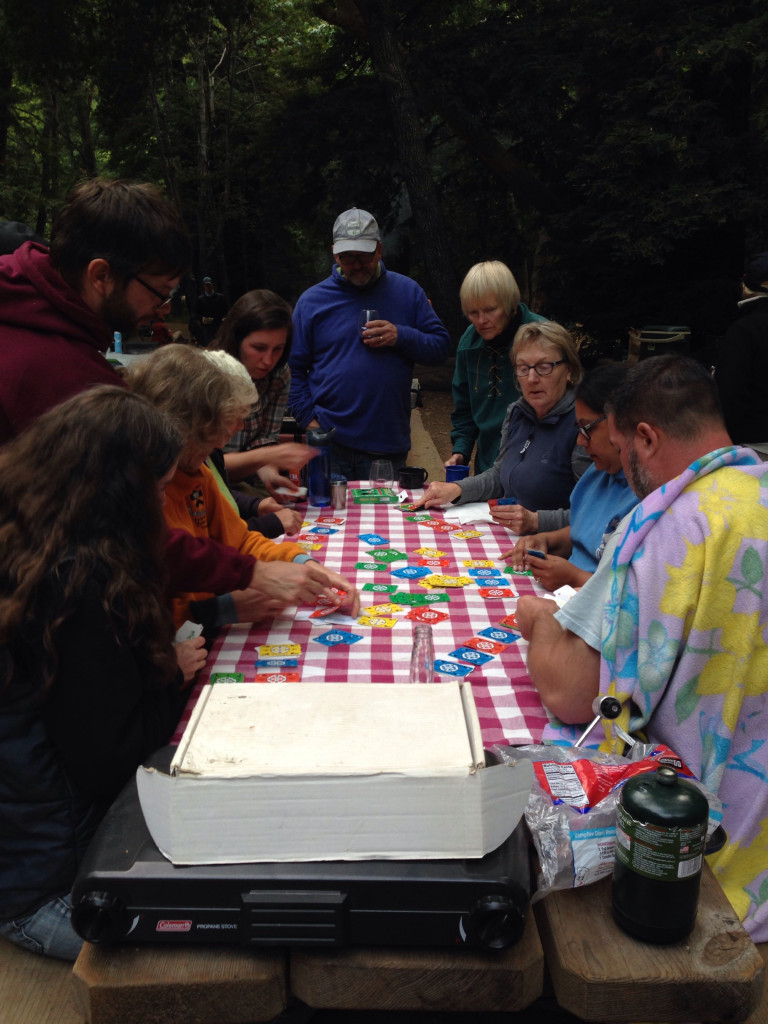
663,853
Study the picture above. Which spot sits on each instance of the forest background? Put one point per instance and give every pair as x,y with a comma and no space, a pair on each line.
613,154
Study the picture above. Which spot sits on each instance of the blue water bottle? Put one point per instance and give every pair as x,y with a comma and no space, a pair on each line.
117,343
319,469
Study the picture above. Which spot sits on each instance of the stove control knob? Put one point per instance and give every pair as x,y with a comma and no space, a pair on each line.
494,922
100,917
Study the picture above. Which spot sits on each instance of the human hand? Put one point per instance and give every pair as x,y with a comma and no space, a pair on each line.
515,518
352,598
253,605
276,484
191,655
457,459
290,519
438,493
291,455
295,582
551,572
529,609
516,555
379,334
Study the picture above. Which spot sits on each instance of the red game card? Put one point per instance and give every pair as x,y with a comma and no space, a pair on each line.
510,622
491,592
434,561
423,614
276,677
487,646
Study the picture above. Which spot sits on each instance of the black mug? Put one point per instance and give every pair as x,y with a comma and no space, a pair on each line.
411,477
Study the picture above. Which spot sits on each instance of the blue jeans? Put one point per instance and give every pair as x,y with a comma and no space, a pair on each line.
48,930
355,464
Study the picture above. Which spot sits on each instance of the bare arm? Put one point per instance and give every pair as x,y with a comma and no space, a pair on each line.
563,668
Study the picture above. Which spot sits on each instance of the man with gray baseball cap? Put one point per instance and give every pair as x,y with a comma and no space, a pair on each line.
357,378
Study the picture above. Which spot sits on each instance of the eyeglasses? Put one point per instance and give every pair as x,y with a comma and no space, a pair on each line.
542,369
586,430
165,300
346,259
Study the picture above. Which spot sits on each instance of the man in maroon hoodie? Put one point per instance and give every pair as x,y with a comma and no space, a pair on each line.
118,251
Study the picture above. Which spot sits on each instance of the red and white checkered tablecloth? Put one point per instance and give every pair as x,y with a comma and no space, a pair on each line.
509,707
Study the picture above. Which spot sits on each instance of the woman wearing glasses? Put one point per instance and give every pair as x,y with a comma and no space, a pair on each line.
573,539
539,460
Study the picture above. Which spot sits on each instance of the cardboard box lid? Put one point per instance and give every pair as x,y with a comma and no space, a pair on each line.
312,772
242,730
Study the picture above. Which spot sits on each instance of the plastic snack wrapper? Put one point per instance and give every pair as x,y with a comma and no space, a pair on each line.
571,811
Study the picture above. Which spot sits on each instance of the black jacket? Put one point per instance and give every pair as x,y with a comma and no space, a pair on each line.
742,374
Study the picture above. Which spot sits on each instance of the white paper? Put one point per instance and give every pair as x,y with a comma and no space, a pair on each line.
472,512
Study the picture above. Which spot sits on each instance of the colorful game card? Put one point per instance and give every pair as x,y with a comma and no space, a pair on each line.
495,593
328,530
266,664
430,552
469,654
330,521
482,643
373,538
479,573
412,572
334,637
227,677
381,588
467,534
383,609
387,555
438,563
423,614
288,650
517,572
420,517
492,581
308,545
501,636
372,566
509,622
478,563
452,668
378,621
277,676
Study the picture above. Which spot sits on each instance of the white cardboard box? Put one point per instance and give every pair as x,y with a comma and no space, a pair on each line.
332,771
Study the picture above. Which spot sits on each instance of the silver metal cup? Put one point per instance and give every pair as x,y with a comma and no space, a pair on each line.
338,492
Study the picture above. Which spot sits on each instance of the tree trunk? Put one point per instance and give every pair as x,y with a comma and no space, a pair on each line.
441,282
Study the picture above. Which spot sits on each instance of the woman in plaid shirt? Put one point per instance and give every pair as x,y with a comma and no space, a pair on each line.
257,331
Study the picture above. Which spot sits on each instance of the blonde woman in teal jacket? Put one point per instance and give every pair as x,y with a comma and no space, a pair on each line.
483,381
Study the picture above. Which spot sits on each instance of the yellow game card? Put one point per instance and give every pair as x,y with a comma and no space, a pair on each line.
430,552
468,534
478,563
383,609
377,620
279,650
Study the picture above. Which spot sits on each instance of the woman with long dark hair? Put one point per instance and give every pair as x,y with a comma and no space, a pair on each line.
89,677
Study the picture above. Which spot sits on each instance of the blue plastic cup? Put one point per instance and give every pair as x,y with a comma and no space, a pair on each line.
454,473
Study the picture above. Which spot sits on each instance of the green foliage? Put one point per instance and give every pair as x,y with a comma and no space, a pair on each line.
612,154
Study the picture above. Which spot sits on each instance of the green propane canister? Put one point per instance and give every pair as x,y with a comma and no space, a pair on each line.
661,833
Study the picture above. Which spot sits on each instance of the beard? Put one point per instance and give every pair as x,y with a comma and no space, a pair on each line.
639,478
118,314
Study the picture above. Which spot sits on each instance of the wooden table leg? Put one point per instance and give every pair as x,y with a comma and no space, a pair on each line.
414,979
600,973
176,985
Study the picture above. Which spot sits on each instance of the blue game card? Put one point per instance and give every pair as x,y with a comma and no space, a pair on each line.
482,572
453,668
412,572
373,539
337,636
501,636
471,655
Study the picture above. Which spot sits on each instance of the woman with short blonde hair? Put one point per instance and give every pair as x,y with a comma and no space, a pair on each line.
483,382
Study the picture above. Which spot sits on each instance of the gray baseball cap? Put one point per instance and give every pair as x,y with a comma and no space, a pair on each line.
355,231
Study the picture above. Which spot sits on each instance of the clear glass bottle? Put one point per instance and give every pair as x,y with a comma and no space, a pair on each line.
422,656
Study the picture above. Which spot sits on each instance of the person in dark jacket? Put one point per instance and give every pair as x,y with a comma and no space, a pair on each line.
90,680
539,459
742,360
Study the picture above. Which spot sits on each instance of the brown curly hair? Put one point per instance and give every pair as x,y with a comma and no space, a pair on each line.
78,501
